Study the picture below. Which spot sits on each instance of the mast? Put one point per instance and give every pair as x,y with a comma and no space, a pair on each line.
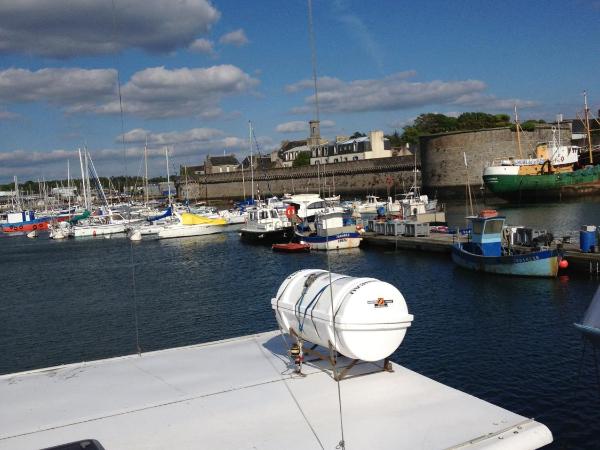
83,188
69,184
146,172
87,177
243,182
468,184
251,159
17,197
587,125
168,176
518,126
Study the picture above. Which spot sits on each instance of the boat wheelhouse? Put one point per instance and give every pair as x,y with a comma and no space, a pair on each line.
485,253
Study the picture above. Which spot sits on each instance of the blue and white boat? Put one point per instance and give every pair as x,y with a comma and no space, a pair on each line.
328,232
484,251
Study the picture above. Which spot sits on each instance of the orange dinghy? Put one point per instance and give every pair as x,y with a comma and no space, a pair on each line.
291,247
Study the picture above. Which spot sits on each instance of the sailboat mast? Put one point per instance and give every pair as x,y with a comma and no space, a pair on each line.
87,178
251,158
518,126
146,172
83,188
69,184
17,196
168,175
587,125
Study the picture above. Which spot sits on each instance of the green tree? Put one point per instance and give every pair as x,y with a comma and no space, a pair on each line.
357,134
303,159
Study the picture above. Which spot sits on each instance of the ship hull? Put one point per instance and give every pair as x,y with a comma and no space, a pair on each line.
270,237
536,264
580,182
25,227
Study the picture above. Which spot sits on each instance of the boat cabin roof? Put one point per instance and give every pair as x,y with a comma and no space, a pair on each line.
241,393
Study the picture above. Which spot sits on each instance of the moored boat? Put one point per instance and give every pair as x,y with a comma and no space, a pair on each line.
24,222
267,225
192,225
291,247
329,232
485,253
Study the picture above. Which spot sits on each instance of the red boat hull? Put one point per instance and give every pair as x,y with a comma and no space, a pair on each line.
24,227
291,247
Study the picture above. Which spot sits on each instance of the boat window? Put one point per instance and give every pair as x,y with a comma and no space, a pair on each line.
264,214
274,214
477,227
316,205
493,226
253,215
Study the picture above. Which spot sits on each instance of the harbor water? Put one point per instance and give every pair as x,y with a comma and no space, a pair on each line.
510,341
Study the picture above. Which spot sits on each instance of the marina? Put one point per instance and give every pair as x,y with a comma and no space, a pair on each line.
262,253
505,346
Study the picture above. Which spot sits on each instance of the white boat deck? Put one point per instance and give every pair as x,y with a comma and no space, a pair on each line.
240,394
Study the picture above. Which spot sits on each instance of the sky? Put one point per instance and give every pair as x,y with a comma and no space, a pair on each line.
191,74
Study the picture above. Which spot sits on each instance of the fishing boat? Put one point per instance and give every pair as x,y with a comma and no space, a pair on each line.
188,224
485,252
328,232
267,225
554,171
24,222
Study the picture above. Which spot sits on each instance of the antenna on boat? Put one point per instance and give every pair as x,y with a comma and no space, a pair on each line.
251,159
518,128
468,186
587,125
122,115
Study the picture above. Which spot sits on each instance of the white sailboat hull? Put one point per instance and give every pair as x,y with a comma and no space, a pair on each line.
96,230
175,231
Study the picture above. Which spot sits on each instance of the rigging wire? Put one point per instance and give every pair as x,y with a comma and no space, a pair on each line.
135,304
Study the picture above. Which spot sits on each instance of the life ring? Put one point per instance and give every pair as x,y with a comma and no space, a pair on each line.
290,211
20,227
35,227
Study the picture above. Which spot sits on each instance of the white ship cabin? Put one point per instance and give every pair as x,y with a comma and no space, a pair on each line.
266,218
331,222
23,216
307,205
558,155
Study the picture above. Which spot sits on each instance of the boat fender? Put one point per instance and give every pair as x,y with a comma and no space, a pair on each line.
290,211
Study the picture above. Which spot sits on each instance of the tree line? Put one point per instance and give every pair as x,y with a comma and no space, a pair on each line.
432,123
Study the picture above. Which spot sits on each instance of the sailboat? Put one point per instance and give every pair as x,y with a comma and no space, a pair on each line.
590,325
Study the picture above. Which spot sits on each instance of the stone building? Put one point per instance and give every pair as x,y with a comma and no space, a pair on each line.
221,164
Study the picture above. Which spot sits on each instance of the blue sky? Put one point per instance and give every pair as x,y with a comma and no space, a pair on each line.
194,72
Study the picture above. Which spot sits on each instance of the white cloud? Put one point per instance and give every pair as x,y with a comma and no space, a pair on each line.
397,92
202,46
491,102
393,92
237,38
7,115
300,125
139,135
65,28
62,87
153,93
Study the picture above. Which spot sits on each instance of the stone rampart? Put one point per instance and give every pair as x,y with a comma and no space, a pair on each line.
375,176
442,160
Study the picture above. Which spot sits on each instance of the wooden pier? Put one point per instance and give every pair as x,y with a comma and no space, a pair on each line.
579,262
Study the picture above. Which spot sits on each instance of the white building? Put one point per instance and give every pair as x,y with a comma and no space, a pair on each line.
374,145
